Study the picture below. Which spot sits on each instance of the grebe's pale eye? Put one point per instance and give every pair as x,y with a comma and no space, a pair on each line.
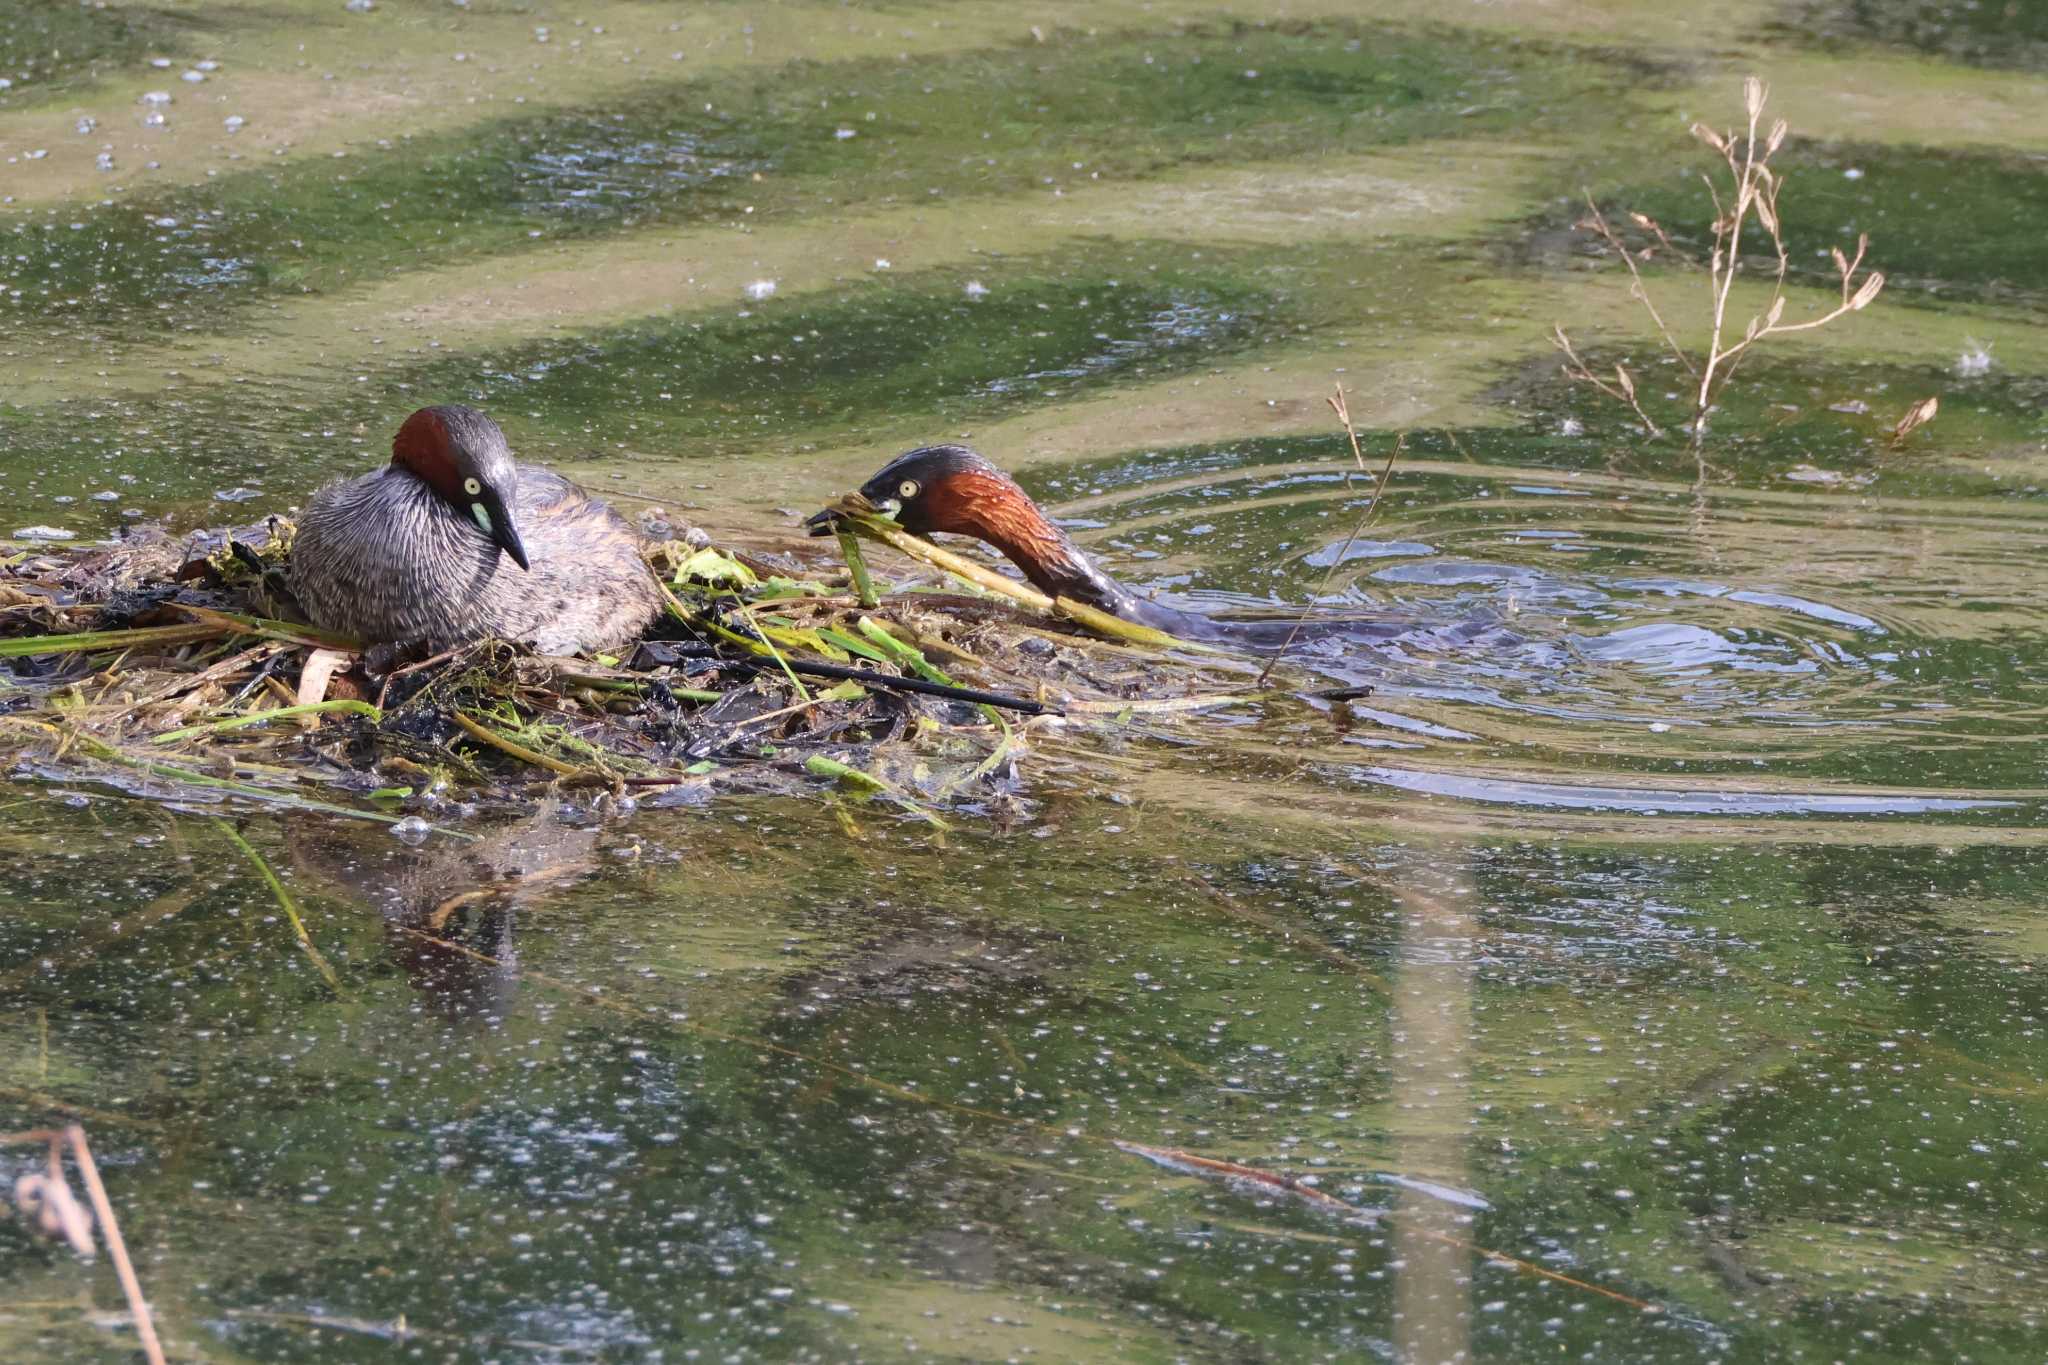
907,489
472,487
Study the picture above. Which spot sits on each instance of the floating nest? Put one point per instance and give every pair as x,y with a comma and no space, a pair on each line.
179,669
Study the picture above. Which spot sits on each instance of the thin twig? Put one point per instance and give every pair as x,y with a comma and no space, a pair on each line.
1639,291
1577,369
1343,411
110,1229
1756,189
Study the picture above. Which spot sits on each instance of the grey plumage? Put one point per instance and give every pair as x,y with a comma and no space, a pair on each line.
386,558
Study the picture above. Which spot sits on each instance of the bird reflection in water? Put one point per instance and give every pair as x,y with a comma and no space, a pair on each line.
450,909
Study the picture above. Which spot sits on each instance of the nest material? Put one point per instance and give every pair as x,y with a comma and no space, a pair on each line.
177,668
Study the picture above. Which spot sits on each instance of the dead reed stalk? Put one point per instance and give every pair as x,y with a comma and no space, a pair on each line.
1342,408
46,1203
1752,194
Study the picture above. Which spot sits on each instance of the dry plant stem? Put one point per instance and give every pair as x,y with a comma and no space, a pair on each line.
1343,411
1637,289
518,751
1756,193
1577,369
1755,190
117,1249
109,1227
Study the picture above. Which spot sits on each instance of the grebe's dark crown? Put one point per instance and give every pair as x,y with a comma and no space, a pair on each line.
923,467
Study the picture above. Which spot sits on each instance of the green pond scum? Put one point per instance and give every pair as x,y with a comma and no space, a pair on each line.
1947,223
1637,959
815,137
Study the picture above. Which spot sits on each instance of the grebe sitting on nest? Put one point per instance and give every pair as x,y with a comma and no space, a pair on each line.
454,541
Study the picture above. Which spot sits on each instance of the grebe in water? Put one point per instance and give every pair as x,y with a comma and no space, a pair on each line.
952,489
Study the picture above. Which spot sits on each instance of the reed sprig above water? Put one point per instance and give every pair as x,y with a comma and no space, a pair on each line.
1751,196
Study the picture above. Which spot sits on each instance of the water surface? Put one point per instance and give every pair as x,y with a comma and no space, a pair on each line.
1649,958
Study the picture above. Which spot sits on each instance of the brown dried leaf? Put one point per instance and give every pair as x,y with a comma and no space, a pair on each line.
1841,261
47,1204
1766,214
1917,416
1754,93
1710,137
1778,131
1628,386
1777,311
1871,284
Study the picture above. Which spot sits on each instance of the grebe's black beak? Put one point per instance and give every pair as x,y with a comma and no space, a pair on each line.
827,522
494,519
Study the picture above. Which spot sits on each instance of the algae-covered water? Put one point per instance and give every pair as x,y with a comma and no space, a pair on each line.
1663,963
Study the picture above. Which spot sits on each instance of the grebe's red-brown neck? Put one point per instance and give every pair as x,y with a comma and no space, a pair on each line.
952,489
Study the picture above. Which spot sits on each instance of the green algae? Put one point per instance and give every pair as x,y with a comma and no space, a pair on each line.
904,354
1996,33
755,147
1944,224
47,49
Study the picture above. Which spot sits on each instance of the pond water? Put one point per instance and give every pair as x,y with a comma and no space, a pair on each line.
1656,971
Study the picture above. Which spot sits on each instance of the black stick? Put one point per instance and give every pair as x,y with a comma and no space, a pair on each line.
868,677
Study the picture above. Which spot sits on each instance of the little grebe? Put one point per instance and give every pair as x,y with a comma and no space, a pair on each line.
454,541
953,489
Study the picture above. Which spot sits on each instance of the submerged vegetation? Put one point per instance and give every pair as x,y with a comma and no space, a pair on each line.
754,149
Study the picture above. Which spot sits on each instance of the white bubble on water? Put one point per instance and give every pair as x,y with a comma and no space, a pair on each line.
1975,359
760,289
975,289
